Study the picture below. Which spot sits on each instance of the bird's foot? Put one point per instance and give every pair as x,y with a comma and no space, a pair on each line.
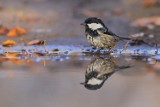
98,51
110,51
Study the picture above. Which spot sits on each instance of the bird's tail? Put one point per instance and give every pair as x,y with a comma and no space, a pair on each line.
136,41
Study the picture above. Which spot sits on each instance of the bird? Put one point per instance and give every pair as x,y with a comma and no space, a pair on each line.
99,70
99,36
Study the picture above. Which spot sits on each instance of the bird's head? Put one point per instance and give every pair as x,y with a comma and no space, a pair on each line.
93,23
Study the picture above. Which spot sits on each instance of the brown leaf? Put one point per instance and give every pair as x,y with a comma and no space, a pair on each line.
39,54
17,31
11,55
117,11
36,42
91,13
156,20
8,43
137,35
147,21
149,3
3,30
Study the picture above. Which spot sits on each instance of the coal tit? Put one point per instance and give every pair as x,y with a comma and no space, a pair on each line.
99,36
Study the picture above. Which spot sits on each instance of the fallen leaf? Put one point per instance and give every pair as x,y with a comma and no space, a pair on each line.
3,30
137,35
16,31
36,42
91,13
56,49
147,21
39,54
149,3
8,43
30,19
117,11
156,20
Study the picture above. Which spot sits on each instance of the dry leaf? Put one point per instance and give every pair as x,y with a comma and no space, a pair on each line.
147,21
91,13
17,31
36,42
117,11
137,35
149,3
8,43
3,30
39,54
156,20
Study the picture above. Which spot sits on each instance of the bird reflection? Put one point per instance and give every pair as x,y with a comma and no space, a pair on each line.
98,71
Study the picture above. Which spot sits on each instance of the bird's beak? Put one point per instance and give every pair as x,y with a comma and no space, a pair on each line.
82,83
83,24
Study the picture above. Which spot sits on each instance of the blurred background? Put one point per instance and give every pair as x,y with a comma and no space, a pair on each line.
49,18
38,80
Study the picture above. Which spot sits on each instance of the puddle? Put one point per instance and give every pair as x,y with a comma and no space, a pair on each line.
76,80
73,75
67,72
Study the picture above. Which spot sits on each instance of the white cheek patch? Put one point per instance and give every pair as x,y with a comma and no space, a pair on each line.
94,81
95,26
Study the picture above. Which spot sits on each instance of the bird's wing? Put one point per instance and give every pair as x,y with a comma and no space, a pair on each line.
118,37
105,34
111,33
107,31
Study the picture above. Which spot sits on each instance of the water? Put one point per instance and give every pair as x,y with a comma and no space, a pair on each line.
47,81
67,72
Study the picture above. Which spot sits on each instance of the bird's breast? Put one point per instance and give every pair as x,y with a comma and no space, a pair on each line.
101,41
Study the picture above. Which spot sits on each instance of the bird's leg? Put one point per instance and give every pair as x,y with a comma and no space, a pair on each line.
98,51
110,50
156,49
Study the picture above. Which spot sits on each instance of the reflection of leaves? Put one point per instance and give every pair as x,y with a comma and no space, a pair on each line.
36,42
153,66
11,55
9,43
16,31
17,61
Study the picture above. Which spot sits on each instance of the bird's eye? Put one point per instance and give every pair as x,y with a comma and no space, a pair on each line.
95,32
